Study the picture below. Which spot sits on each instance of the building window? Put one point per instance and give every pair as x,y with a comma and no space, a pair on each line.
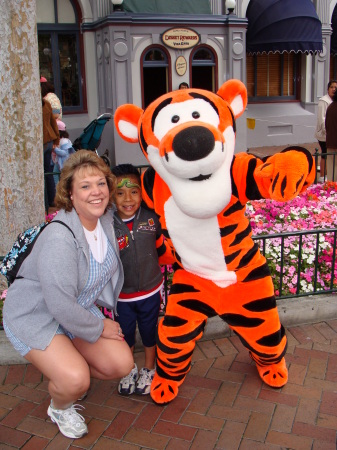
204,69
156,80
273,77
59,44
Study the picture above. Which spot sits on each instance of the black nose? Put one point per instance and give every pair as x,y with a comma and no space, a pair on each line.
193,143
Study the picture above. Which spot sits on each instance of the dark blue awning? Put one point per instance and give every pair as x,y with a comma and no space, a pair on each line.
283,26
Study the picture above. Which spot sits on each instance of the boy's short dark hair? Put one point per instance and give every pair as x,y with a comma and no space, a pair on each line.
122,170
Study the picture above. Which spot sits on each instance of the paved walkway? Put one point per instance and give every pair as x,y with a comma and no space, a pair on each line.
222,404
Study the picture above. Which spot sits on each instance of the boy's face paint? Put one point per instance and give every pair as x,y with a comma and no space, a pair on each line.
127,183
128,196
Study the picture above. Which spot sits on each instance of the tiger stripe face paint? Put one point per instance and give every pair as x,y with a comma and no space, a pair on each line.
127,183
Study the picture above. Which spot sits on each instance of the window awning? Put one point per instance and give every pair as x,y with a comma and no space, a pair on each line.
283,26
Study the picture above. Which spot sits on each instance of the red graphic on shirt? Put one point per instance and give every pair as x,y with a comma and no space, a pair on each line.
123,242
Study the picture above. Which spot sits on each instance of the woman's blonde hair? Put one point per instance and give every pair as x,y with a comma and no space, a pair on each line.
81,160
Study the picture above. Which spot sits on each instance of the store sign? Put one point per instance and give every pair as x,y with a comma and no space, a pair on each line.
180,38
181,65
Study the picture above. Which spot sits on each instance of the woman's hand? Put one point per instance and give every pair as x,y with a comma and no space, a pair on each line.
112,330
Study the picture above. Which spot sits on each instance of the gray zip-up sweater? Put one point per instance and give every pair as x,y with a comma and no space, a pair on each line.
54,274
140,255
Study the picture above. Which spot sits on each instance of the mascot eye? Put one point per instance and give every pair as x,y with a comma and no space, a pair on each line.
195,115
175,119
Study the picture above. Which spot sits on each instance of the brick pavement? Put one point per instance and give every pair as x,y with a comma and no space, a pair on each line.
222,404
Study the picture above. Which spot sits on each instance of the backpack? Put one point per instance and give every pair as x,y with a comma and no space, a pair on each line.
21,249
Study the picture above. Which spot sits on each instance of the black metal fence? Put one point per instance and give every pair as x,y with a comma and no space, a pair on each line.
312,256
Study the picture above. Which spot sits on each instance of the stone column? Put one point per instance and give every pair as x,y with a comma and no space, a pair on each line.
21,168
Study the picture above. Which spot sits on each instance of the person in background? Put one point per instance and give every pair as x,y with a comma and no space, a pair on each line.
183,85
49,95
65,148
320,132
51,139
142,249
50,314
331,138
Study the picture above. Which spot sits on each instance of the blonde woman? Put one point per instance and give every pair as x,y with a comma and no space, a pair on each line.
50,314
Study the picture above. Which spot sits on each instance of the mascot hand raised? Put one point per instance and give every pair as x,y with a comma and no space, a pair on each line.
199,190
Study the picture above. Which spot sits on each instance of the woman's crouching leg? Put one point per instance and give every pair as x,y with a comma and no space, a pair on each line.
66,369
107,358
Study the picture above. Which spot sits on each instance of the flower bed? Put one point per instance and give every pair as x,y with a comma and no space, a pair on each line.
312,210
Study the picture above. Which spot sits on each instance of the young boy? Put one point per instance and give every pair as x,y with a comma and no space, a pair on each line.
142,248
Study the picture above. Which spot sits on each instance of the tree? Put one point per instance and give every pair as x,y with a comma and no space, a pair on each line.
21,143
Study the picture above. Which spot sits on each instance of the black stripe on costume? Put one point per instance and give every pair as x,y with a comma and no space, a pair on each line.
261,305
203,97
164,363
271,340
249,255
252,191
283,185
299,182
257,273
226,231
237,206
169,366
143,142
233,119
275,182
181,358
161,105
161,250
187,337
231,257
238,320
198,306
165,349
253,350
239,237
166,376
173,321
180,288
148,182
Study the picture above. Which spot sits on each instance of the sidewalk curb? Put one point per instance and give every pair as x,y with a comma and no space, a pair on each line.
293,312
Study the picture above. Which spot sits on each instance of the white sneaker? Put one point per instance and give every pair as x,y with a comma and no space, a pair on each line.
143,385
127,384
71,424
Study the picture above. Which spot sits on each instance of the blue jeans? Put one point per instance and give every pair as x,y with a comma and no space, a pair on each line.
48,168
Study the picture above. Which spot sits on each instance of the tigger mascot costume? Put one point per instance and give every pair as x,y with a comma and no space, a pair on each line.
199,190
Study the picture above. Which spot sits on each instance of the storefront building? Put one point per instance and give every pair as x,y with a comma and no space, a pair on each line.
99,55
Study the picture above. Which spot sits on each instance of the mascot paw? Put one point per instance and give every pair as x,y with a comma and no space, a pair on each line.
275,375
163,390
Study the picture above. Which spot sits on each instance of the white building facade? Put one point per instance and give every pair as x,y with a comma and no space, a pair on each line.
98,57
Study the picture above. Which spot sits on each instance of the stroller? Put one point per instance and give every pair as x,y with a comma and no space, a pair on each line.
90,138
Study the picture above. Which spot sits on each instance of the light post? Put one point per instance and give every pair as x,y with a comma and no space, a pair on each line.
230,5
117,5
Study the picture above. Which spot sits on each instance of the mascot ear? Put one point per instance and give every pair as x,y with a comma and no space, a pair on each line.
235,93
126,121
